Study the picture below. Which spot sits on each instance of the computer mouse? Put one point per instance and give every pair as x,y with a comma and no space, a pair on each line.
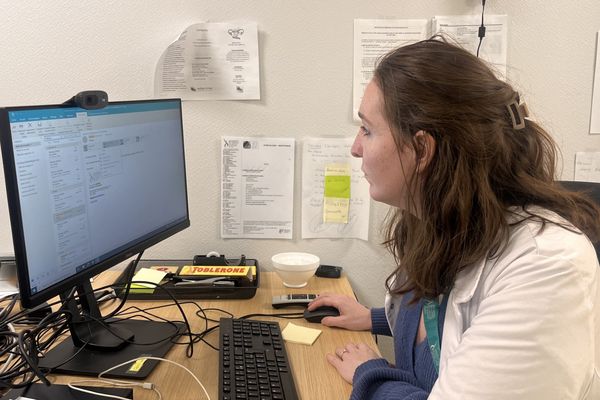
319,313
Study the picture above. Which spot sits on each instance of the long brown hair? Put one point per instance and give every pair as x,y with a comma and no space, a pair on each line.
481,167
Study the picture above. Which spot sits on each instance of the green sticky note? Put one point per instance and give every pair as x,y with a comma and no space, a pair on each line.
337,186
139,289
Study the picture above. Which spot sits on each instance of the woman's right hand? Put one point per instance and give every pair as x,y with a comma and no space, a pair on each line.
353,315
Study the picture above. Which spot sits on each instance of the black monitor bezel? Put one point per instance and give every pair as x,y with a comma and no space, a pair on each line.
29,299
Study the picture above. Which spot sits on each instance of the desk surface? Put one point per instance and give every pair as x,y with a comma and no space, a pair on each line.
315,378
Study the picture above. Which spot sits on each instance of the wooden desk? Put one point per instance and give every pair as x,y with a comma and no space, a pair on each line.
315,378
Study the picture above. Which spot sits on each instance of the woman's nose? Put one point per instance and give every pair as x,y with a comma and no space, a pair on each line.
356,149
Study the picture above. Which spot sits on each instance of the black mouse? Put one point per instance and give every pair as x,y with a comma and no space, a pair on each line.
319,313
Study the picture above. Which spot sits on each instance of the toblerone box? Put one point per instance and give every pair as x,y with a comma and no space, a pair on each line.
208,271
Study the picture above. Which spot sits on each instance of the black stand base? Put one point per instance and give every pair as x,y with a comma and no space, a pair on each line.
92,362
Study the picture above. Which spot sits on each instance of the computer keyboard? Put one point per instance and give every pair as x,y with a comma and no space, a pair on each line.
253,362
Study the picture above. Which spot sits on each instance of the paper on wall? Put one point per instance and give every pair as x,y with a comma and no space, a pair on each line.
587,166
374,38
317,154
464,29
211,61
257,187
595,118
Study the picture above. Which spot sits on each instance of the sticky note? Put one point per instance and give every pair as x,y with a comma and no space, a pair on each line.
146,275
299,334
337,186
137,365
336,192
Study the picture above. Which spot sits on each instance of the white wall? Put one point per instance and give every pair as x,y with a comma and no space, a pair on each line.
53,49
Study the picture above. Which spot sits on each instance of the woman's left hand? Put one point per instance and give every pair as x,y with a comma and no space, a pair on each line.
346,359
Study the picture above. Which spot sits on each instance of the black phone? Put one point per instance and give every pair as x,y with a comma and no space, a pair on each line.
329,271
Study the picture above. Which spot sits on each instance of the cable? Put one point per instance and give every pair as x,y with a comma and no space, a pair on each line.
5,312
145,385
20,352
107,327
481,32
278,315
11,355
190,350
73,386
30,356
132,266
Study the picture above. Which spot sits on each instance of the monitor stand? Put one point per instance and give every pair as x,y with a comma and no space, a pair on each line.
92,349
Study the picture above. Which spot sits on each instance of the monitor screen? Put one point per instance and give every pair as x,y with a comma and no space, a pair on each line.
89,188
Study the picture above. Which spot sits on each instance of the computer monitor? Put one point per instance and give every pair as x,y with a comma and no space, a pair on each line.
87,189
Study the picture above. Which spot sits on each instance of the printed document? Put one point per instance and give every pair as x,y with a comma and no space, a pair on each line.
320,156
374,38
257,187
464,29
595,120
211,61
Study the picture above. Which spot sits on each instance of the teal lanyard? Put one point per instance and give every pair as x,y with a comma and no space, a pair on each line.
431,311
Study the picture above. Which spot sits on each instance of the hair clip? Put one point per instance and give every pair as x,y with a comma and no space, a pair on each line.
518,112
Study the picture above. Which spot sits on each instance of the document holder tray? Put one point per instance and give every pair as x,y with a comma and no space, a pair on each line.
190,292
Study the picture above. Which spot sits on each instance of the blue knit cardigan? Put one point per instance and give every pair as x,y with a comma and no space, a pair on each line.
414,374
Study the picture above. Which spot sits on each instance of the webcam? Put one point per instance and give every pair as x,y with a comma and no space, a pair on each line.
89,99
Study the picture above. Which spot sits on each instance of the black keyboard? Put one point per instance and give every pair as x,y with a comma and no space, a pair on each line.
253,362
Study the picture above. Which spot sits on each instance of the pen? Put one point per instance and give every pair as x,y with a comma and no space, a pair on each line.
218,281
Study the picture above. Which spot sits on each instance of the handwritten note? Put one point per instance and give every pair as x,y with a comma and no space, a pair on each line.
317,155
337,193
587,166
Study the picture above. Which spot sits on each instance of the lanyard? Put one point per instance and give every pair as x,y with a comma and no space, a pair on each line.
431,311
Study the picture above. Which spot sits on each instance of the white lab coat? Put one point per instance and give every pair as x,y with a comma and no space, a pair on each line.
525,325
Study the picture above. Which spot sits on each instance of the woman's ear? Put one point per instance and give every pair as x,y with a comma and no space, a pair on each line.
425,145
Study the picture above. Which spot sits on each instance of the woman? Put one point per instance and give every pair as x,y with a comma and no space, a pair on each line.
496,293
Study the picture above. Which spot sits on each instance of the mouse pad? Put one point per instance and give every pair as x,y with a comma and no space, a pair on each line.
39,391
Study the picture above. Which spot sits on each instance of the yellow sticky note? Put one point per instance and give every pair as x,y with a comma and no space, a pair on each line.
146,275
299,334
335,210
137,365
